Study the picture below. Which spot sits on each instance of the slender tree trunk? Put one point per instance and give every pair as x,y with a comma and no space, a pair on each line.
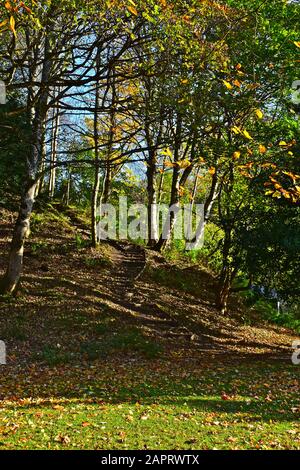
107,183
174,207
40,183
69,189
11,279
96,187
227,275
161,183
208,206
228,271
66,195
192,204
167,231
54,143
95,194
152,200
168,227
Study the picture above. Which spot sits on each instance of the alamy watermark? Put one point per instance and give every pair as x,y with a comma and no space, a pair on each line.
296,93
2,353
296,353
137,222
2,92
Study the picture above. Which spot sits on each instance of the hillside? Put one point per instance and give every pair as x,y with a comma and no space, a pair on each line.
121,286
91,327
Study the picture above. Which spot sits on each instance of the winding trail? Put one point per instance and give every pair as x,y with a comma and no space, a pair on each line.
130,262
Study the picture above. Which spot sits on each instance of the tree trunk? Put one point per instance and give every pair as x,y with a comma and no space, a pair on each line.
10,281
152,200
227,220
38,111
40,184
95,195
107,183
192,204
208,206
96,186
161,183
54,142
223,292
67,190
168,228
227,275
165,237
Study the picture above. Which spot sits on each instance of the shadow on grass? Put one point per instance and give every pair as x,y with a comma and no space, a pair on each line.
238,409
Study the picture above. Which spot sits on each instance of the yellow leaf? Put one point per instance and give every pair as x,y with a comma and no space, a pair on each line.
259,113
168,152
132,10
297,43
237,83
170,165
12,24
290,175
212,170
262,149
184,164
282,143
184,81
228,85
3,23
181,190
247,135
8,6
236,130
236,155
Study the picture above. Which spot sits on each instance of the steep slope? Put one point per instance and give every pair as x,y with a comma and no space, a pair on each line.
83,300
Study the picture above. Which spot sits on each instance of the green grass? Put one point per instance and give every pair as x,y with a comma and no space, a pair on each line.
51,218
15,330
131,340
53,356
103,262
154,409
176,278
269,312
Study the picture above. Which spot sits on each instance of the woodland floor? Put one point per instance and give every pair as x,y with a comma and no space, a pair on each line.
118,349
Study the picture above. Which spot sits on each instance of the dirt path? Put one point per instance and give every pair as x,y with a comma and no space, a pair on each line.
130,261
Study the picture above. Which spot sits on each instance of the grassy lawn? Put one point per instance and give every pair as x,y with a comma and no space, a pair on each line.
114,406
